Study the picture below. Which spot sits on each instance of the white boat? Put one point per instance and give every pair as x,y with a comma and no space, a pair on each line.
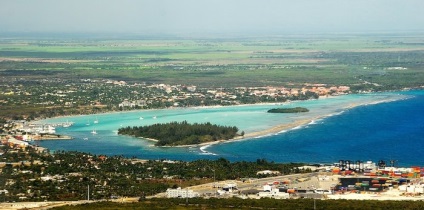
154,117
96,121
50,129
94,132
67,124
141,118
85,138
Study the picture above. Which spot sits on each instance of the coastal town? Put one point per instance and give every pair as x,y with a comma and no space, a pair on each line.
56,97
210,104
31,173
34,177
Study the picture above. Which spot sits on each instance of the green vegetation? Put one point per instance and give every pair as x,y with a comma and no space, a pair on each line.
288,110
175,133
50,77
215,62
379,62
236,203
69,173
66,175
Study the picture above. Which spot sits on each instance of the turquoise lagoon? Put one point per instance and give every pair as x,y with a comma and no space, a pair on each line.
341,127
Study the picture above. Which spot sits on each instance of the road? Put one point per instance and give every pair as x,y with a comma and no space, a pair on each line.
312,180
52,204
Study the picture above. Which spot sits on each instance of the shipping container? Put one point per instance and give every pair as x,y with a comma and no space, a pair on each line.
291,190
336,170
415,169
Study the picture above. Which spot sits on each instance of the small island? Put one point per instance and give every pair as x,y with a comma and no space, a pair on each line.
288,110
181,133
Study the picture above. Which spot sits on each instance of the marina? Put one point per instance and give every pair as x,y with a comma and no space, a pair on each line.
40,128
58,124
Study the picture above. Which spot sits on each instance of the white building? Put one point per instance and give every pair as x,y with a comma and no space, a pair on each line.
267,172
267,188
191,88
274,193
18,142
229,187
181,193
132,104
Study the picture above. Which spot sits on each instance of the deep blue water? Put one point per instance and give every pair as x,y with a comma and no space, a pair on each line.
385,131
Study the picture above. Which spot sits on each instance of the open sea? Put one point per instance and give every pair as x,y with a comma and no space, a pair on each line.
378,126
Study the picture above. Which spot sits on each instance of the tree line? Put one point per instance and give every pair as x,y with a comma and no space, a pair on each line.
288,110
181,133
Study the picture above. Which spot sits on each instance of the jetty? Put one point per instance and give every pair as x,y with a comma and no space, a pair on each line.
44,128
57,124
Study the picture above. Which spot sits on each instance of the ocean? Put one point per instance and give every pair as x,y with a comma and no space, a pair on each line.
379,126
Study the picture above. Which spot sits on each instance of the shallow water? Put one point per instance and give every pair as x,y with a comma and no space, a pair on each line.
372,132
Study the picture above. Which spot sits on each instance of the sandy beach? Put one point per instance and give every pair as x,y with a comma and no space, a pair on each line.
278,128
283,127
269,131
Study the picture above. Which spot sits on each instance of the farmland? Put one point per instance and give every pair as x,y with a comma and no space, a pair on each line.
67,75
214,62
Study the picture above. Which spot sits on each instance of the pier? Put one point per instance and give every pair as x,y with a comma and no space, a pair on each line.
42,128
58,124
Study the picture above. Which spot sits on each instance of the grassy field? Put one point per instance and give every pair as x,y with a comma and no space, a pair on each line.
338,60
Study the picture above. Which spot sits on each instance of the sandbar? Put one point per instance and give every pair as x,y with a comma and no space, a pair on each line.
273,130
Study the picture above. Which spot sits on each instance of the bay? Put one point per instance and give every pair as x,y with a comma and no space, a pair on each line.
353,127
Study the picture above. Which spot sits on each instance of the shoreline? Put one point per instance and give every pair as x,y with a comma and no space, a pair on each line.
269,131
257,134
210,107
185,108
248,136
221,106
284,127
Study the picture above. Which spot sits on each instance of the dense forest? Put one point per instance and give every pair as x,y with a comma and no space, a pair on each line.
183,133
288,110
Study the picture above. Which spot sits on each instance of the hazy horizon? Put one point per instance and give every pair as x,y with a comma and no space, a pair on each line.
196,17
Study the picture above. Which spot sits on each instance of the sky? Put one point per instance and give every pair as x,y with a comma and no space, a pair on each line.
211,16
